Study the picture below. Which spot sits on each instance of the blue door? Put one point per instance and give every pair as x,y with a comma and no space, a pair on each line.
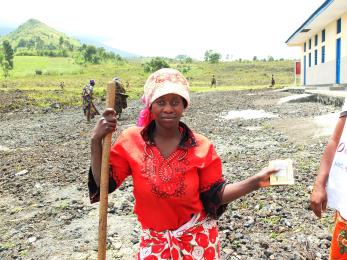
338,61
304,70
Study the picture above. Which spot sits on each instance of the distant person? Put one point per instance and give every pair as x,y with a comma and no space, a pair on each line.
62,85
272,81
330,186
121,97
87,96
213,81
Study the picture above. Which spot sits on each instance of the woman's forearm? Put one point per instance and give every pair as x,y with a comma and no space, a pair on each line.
236,190
96,156
329,152
325,164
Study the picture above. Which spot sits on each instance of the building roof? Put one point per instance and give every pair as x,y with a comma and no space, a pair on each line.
329,11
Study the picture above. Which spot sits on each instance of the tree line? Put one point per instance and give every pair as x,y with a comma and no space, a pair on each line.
93,55
160,62
82,55
35,46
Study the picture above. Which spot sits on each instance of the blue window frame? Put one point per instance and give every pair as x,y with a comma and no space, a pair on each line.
305,47
323,54
304,69
309,44
315,57
338,26
323,35
338,61
309,59
316,40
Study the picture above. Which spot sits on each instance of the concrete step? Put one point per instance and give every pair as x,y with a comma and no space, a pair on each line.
337,87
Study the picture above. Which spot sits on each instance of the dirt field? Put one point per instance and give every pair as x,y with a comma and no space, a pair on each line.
44,159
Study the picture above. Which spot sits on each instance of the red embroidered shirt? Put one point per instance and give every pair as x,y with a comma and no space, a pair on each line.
167,190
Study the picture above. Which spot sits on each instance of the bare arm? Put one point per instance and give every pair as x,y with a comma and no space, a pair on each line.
96,153
236,190
319,195
106,124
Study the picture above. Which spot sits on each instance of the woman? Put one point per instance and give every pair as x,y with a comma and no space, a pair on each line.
120,97
331,181
177,175
89,108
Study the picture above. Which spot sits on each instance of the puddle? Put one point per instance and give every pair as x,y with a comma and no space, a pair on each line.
4,148
328,119
302,130
253,128
248,114
326,124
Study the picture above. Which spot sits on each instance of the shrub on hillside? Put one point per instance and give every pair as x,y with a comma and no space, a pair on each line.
184,58
155,64
183,68
212,57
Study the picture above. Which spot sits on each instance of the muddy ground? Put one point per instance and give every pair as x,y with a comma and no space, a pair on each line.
44,158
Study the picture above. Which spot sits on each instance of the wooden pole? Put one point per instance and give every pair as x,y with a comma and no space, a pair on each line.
106,146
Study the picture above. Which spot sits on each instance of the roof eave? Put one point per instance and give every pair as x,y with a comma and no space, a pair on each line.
303,27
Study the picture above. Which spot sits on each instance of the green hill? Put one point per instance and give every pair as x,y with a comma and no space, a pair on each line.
35,37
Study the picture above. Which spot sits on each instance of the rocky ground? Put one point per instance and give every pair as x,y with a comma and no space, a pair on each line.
44,157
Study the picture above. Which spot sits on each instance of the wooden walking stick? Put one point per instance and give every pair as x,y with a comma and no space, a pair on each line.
110,96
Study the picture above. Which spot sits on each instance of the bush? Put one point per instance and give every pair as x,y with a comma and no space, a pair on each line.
212,57
38,72
156,64
188,60
183,68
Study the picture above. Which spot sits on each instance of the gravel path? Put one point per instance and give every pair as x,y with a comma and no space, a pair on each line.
44,157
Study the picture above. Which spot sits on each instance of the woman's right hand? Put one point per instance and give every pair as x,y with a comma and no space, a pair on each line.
106,124
319,200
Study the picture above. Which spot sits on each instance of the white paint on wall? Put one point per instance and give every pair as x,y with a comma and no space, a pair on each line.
322,74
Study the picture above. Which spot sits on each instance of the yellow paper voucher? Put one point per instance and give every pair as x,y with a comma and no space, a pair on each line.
285,175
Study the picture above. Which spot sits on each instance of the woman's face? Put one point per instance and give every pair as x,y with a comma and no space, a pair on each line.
167,110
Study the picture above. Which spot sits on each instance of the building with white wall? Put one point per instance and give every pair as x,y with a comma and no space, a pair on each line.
323,42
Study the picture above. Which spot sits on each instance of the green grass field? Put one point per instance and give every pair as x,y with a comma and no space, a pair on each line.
45,90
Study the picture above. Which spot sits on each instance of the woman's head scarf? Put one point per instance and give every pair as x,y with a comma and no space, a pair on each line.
162,82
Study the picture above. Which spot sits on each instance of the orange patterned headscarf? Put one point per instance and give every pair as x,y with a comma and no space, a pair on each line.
162,82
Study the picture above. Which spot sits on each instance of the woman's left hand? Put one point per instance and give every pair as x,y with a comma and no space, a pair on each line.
232,191
263,177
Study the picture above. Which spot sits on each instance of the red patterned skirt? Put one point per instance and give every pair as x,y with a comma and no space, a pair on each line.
339,240
197,239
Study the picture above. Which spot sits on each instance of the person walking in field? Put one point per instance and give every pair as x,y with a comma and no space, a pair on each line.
330,186
213,81
62,85
177,176
89,108
121,98
272,81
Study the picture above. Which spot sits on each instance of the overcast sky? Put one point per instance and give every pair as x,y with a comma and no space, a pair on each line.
243,28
